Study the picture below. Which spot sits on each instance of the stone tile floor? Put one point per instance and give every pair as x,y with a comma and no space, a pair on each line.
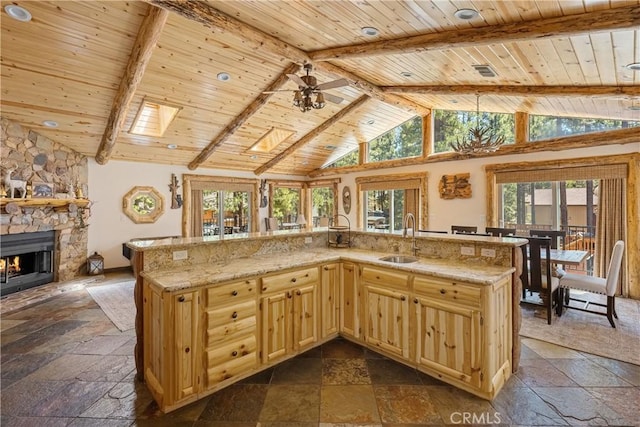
63,363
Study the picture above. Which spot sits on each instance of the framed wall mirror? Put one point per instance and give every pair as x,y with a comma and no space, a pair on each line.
143,204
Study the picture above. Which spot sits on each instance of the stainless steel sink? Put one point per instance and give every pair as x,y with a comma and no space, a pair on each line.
399,259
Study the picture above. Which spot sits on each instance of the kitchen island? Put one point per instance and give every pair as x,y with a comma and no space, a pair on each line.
210,324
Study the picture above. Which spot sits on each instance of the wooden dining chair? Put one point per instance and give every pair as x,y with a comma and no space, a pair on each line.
434,231
598,285
461,229
557,237
500,232
536,276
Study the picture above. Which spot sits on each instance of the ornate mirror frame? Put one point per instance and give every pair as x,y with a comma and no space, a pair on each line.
143,205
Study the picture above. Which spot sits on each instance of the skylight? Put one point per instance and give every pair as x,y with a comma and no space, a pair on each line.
153,118
270,140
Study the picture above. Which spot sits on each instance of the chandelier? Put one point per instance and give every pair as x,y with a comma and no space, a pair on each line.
302,99
480,139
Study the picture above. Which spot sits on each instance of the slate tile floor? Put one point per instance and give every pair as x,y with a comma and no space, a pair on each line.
63,363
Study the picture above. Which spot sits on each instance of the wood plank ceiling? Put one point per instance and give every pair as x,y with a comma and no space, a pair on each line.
89,65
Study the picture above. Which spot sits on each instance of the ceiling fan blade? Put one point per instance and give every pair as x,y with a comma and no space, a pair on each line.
334,84
297,80
332,98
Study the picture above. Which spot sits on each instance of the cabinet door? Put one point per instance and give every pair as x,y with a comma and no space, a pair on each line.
349,306
276,325
185,336
305,321
449,339
387,319
330,299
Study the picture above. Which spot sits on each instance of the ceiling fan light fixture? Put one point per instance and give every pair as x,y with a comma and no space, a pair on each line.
18,13
466,14
297,98
320,103
634,66
369,31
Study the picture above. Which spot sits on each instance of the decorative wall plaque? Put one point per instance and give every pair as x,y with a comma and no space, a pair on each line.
346,200
455,186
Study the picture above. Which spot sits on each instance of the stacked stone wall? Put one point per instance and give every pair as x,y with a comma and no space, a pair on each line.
37,158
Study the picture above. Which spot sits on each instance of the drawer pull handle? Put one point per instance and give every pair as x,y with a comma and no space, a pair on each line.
415,300
187,350
298,293
234,315
442,291
234,354
326,268
234,293
403,298
181,299
294,280
289,295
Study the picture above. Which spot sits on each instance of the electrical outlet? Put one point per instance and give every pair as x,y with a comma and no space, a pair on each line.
308,239
491,253
180,255
467,250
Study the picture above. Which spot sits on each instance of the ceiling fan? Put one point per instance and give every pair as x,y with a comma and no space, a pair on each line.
308,86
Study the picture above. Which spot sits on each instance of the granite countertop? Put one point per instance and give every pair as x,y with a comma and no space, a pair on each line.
205,274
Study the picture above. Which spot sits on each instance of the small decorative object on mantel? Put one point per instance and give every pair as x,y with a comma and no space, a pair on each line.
455,186
42,190
95,264
12,185
176,200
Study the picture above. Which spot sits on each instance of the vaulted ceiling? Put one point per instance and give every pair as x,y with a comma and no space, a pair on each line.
89,65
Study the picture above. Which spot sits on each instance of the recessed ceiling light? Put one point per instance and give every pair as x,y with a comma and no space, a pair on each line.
406,74
466,14
172,146
330,147
18,13
634,107
454,101
635,66
370,121
253,157
50,123
223,77
369,31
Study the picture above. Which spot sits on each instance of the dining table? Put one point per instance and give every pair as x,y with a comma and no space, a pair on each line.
567,256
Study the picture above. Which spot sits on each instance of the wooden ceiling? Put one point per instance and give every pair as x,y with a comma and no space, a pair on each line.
88,65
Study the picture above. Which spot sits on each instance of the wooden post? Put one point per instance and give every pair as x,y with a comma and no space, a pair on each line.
427,135
521,127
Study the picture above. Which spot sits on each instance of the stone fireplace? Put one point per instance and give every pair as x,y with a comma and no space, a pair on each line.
26,260
36,158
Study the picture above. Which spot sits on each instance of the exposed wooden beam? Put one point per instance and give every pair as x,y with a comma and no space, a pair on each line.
203,13
516,90
312,134
611,137
146,41
245,115
619,18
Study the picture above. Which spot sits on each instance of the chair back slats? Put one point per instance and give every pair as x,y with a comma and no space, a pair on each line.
557,237
434,231
613,272
500,232
539,263
460,229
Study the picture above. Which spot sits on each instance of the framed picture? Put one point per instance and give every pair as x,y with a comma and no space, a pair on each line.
41,190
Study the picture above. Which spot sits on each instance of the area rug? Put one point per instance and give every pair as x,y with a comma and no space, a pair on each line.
116,300
587,332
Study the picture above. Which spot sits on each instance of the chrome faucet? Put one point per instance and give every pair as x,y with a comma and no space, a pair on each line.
414,247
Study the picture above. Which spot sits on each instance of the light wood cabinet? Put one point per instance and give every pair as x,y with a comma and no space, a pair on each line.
172,371
386,310
349,300
290,316
230,345
330,299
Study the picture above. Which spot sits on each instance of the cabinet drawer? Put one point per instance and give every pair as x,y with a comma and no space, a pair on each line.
447,290
234,350
284,281
230,293
234,367
385,277
228,322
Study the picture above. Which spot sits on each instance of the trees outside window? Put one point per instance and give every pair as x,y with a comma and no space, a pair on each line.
400,142
286,204
322,202
349,159
546,127
227,211
449,126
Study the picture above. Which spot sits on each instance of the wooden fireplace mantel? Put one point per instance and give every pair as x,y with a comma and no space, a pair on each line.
55,203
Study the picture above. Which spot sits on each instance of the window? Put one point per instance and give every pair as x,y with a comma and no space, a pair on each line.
400,142
322,203
349,159
448,126
219,205
387,199
546,127
285,204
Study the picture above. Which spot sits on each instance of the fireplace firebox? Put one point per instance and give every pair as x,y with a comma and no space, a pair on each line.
26,260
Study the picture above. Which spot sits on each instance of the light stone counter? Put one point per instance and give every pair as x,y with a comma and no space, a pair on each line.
218,272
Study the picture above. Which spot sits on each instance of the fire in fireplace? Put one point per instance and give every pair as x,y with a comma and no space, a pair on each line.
26,260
